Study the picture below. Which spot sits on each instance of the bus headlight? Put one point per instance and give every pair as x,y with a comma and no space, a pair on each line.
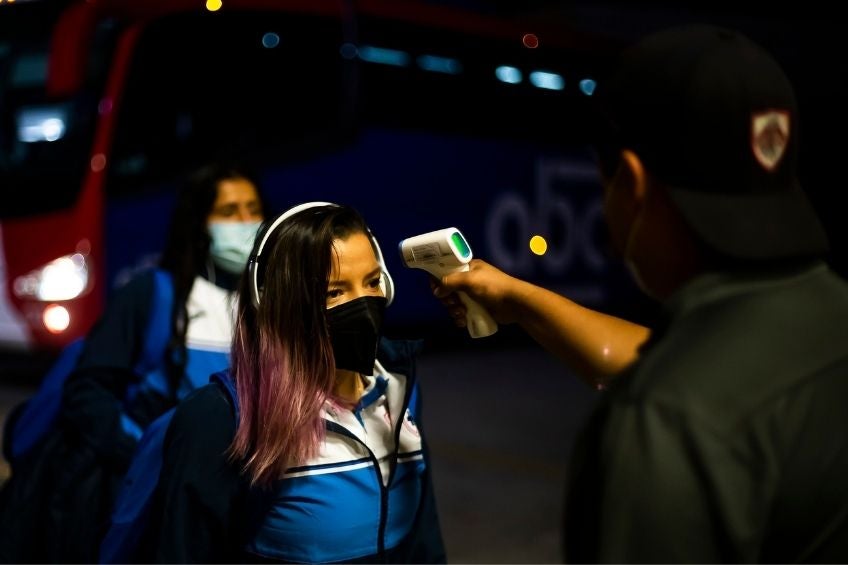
62,279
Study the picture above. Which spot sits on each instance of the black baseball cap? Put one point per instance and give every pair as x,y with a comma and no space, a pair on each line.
712,115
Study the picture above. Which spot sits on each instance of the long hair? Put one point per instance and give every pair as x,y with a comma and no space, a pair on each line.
282,356
187,248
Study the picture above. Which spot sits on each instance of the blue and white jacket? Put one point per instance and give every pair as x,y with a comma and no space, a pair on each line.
121,371
366,497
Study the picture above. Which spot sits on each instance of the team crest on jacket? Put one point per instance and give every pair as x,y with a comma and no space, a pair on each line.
769,137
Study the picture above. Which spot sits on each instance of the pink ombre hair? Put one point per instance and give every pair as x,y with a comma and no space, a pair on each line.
282,356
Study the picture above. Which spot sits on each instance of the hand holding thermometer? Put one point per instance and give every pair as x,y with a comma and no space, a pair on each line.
441,252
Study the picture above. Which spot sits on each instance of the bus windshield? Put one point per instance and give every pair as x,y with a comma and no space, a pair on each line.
44,139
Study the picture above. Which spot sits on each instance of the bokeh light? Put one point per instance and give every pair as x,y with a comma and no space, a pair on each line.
530,40
587,86
538,245
270,40
509,75
56,318
98,162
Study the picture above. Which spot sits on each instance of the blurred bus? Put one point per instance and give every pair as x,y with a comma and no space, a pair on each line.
421,116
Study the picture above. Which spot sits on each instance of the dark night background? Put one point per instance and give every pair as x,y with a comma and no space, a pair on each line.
501,414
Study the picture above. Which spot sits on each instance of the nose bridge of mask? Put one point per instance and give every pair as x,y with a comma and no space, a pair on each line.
369,308
387,285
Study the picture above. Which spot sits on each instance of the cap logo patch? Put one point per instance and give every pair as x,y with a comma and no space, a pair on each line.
769,137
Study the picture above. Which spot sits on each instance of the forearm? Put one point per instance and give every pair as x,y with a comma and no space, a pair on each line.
596,345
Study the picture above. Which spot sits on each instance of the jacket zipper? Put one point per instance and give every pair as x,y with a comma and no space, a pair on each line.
384,490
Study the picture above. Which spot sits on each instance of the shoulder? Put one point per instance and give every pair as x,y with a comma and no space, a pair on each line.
398,355
137,293
206,412
141,283
774,315
742,349
208,400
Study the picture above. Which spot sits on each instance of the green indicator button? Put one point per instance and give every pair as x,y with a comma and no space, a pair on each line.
460,244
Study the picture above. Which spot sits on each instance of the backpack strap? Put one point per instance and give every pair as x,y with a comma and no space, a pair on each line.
159,325
154,348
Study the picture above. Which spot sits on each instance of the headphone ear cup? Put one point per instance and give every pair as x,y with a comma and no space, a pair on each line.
387,285
252,269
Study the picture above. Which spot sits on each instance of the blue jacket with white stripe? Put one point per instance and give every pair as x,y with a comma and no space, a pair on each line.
354,502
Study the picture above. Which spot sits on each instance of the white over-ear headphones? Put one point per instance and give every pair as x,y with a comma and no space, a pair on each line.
386,283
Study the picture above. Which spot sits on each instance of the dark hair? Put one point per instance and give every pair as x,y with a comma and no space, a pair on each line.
282,356
187,246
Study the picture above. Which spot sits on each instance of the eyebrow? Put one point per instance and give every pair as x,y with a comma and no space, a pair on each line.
236,203
372,274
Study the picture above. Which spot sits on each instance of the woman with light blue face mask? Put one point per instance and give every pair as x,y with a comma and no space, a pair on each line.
235,218
161,336
206,255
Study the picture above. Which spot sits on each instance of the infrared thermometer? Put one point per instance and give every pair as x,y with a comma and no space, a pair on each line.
441,252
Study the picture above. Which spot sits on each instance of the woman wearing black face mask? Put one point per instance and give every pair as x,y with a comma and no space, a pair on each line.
309,448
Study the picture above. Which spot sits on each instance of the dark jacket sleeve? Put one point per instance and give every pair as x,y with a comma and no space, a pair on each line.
92,394
428,546
200,496
425,543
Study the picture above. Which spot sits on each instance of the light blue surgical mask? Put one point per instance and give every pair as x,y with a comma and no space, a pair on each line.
231,244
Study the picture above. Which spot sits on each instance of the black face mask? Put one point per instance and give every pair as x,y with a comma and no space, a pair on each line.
355,330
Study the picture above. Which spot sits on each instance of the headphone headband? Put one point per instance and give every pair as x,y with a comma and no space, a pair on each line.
386,282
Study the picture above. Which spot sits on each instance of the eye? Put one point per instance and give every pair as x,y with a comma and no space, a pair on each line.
254,209
225,211
374,283
334,293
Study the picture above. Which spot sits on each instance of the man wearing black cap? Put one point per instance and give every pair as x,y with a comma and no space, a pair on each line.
723,434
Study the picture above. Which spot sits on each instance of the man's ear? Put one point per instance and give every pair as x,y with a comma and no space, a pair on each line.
636,175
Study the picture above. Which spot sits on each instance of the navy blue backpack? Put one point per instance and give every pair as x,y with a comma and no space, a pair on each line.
30,422
132,506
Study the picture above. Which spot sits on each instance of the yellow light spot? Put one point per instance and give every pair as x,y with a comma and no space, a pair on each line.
538,245
214,5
